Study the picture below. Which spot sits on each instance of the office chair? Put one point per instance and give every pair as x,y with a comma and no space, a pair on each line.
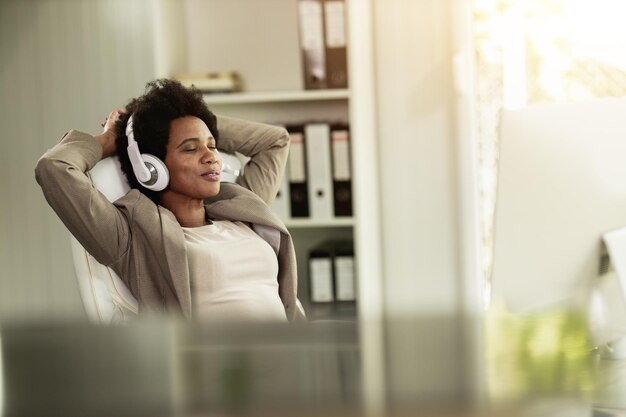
105,296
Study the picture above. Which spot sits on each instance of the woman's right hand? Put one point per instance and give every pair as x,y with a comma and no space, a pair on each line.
107,137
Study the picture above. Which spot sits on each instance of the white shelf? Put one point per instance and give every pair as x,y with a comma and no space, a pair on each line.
277,96
309,223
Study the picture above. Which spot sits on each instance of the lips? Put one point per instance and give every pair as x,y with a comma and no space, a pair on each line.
212,175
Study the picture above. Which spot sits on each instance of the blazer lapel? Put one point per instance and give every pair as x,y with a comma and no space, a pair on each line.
174,248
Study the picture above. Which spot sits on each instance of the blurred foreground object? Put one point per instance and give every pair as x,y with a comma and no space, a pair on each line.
542,354
161,368
165,368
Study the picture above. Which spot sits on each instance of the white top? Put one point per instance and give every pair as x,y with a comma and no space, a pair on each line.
233,274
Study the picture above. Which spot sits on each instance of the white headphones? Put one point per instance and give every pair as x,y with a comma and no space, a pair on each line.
149,170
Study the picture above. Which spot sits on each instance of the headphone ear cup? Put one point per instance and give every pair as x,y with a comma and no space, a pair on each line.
160,173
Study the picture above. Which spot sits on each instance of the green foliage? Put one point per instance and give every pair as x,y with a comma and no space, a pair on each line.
541,354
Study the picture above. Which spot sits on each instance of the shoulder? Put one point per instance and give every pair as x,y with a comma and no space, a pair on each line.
139,208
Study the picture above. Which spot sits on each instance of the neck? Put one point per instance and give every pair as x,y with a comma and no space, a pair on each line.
188,211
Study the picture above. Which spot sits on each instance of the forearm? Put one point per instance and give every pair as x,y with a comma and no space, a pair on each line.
266,145
107,141
90,217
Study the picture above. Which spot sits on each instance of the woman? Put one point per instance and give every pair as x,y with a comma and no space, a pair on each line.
199,248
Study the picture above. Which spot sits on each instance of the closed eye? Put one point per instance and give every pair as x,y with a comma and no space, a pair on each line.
193,144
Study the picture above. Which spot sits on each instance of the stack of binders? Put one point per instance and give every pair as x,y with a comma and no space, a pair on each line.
318,182
332,275
323,42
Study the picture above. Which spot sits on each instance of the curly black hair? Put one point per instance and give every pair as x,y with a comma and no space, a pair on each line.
163,101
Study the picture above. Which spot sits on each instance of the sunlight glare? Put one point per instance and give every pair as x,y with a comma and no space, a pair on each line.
598,30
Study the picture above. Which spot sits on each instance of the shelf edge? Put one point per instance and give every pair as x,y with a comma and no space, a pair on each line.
277,96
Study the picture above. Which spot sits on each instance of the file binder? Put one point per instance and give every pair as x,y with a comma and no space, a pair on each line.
319,176
343,268
341,168
311,21
321,275
297,173
331,273
335,44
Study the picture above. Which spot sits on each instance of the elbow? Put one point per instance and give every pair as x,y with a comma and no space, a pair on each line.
43,168
283,142
284,138
47,171
282,145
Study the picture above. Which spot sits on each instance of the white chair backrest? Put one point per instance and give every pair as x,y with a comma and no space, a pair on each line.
105,296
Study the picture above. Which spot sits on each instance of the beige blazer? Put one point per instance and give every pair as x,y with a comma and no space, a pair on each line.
144,243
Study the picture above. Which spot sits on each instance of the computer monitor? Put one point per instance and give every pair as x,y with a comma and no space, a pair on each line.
561,186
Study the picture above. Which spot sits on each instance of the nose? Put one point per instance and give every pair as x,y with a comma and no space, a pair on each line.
210,156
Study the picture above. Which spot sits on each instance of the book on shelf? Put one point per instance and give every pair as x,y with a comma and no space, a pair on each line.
319,171
341,170
335,44
311,25
332,273
323,43
297,173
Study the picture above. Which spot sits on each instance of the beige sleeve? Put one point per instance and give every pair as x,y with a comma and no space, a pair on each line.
97,224
266,145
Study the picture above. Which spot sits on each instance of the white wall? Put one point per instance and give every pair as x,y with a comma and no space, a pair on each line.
258,39
65,64
419,191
